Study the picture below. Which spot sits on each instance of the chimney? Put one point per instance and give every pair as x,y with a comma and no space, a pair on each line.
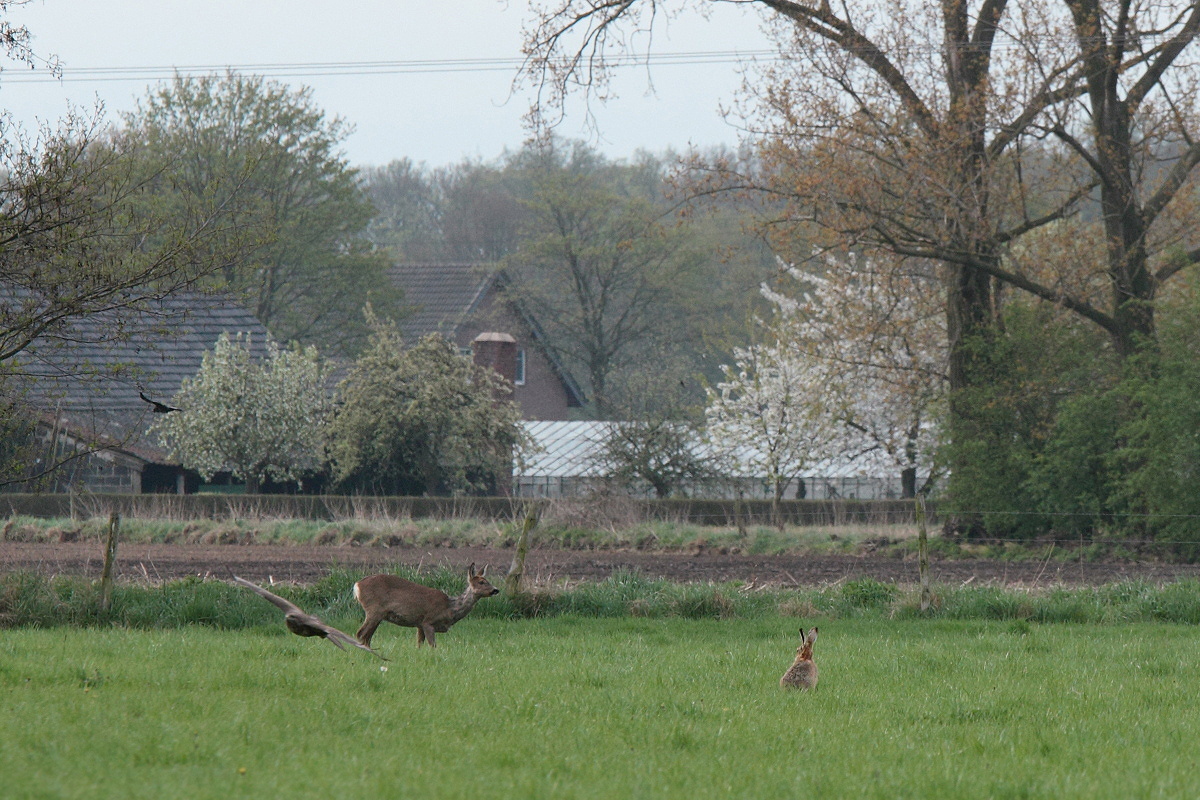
498,351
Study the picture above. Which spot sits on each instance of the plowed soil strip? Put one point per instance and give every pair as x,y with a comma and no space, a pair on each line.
305,564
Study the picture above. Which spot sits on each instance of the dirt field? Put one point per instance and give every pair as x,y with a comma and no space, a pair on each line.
304,564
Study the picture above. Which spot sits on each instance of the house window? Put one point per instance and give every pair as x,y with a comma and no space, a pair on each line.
519,378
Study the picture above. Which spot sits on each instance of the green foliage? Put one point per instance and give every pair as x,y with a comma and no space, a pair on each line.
425,420
1072,478
255,417
1057,439
1161,458
1032,410
33,601
868,593
294,199
20,450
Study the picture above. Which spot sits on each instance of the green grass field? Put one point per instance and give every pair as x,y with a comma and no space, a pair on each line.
573,707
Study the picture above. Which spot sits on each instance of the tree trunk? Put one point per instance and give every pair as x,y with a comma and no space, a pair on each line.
777,504
1123,210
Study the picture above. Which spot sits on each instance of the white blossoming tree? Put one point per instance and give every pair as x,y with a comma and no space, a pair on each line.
423,420
767,416
872,335
258,418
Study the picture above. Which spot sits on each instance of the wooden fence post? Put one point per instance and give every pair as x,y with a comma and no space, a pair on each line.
923,555
516,571
110,556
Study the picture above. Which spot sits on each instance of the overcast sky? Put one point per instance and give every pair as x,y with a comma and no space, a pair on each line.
434,113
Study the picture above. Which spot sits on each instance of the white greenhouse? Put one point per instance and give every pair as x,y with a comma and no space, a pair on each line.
565,464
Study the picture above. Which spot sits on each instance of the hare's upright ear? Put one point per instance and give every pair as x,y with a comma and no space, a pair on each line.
812,636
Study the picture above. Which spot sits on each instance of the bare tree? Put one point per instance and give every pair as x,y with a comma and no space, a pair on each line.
917,128
952,132
79,240
599,264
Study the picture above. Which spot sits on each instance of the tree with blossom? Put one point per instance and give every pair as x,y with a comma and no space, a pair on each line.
872,333
257,418
767,416
423,420
853,367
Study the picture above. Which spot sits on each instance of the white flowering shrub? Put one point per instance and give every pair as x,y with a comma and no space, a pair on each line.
257,418
766,416
422,420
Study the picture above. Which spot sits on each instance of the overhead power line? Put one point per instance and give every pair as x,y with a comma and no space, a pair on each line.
316,69
312,69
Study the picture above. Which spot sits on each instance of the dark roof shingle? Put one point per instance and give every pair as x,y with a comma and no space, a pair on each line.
440,296
104,360
88,375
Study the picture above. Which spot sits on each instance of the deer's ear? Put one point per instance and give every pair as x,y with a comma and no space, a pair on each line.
471,569
484,573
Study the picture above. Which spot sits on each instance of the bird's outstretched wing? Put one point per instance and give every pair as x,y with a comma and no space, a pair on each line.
157,407
285,606
305,624
337,637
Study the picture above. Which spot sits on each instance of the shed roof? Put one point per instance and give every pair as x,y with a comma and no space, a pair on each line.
569,449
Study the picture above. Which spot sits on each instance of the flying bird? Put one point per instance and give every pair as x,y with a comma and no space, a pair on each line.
157,407
303,624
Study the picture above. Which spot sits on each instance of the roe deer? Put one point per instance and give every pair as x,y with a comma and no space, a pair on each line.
803,672
401,602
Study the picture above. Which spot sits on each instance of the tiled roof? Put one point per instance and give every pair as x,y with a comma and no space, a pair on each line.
440,296
151,351
88,376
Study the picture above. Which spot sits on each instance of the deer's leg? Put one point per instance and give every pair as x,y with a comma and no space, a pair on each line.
368,628
425,633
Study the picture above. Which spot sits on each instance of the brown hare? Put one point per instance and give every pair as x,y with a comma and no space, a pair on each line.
802,674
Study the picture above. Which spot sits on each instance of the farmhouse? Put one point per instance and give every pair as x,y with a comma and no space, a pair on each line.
464,301
86,384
